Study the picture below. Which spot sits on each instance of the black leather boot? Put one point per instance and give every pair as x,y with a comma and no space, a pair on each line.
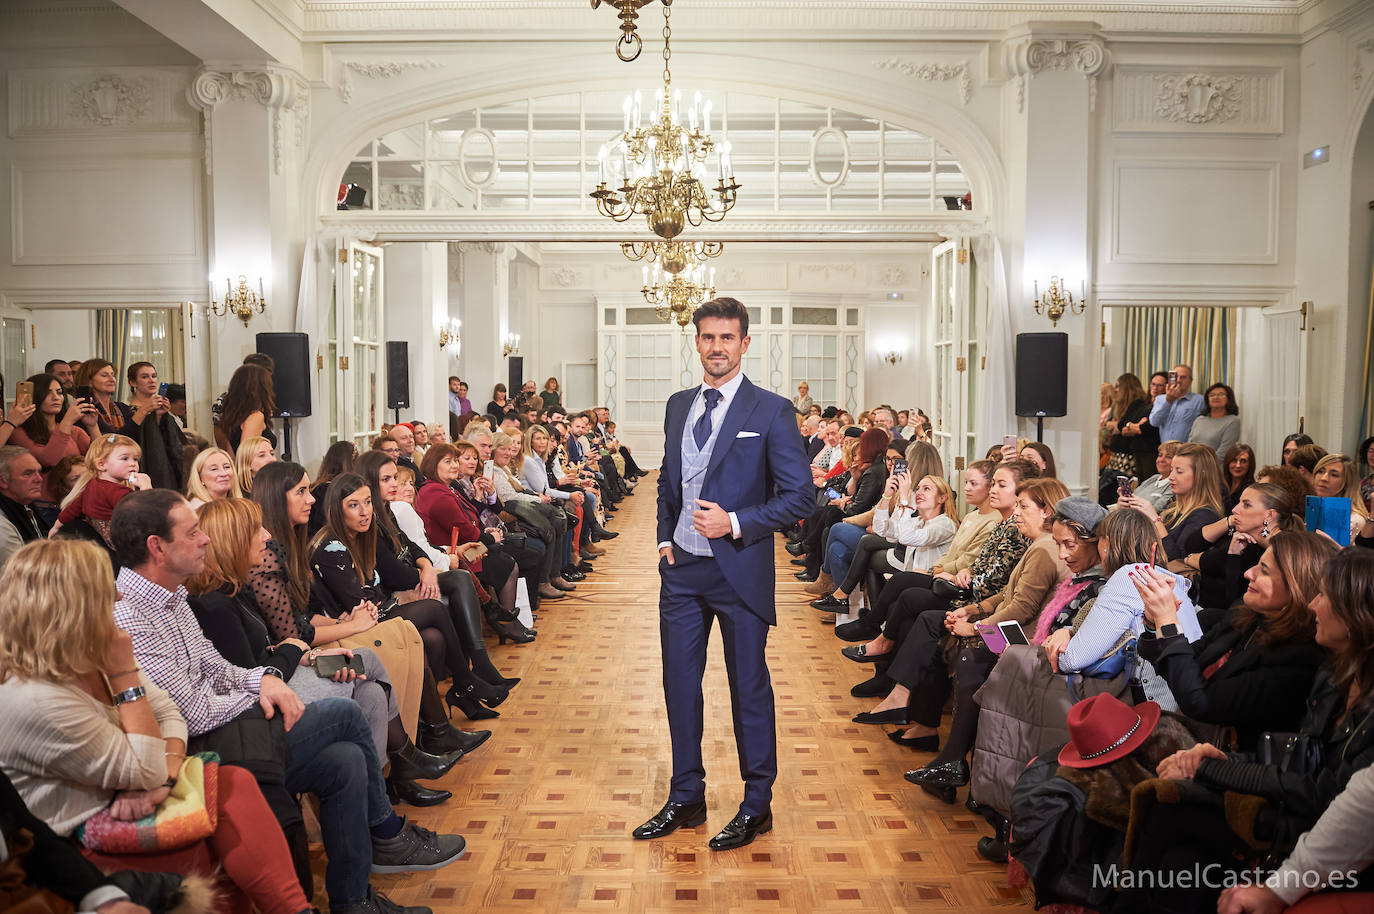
410,762
399,790
442,737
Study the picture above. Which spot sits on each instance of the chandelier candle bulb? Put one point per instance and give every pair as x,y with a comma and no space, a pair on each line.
639,101
601,161
706,117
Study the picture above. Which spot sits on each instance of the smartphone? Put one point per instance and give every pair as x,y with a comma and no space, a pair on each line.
1173,377
1124,486
162,389
83,392
328,666
833,494
992,636
24,389
1330,516
489,471
1012,631
898,466
1009,441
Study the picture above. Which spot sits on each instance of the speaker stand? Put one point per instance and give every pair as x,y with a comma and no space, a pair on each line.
1040,427
286,439
395,415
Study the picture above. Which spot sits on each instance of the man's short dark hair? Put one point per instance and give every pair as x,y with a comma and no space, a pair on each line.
47,369
454,377
730,309
260,358
176,392
138,516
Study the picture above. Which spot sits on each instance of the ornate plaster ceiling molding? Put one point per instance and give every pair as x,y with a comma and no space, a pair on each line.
56,100
933,72
1032,50
1357,61
278,89
376,70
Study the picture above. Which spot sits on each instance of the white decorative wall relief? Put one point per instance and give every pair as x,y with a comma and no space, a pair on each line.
140,99
280,90
933,72
1178,100
1026,54
385,70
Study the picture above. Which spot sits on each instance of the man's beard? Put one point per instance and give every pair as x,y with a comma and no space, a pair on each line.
714,370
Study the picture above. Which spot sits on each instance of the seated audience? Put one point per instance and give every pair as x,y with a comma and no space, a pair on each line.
535,512
1335,477
1250,673
962,551
1218,427
1039,453
83,731
1366,456
1238,471
867,476
1305,460
212,478
1194,831
252,455
537,450
1291,443
21,484
1231,546
328,746
338,459
406,443
1195,480
222,599
346,560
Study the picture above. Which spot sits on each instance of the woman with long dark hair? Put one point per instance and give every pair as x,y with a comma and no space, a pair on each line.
1231,546
344,559
1195,480
1219,425
1238,468
338,459
867,477
282,588
249,405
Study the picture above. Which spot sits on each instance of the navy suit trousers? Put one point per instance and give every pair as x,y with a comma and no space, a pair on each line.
693,593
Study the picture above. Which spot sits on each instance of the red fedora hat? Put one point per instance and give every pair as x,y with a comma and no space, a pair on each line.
1103,729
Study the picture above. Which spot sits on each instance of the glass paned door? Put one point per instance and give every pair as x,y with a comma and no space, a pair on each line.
14,361
1284,340
355,341
951,301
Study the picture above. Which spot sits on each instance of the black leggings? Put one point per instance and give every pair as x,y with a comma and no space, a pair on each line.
896,585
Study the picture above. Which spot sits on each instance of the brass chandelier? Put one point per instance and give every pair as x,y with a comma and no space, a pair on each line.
677,295
672,256
659,164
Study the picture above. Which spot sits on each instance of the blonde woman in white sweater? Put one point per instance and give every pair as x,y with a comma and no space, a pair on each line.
912,527
84,731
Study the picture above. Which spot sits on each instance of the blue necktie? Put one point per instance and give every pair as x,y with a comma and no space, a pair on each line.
702,430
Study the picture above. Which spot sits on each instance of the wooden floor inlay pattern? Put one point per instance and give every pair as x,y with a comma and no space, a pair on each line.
580,757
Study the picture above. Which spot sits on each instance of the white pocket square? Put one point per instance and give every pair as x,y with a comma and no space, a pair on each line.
747,435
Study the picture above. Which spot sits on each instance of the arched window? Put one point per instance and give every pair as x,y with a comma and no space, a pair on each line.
540,154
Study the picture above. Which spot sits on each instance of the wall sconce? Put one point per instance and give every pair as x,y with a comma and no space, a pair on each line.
449,340
892,357
1057,301
239,301
512,344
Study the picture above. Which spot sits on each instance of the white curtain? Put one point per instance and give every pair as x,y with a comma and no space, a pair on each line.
996,409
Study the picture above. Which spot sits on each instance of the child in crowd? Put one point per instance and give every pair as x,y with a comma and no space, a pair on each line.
110,473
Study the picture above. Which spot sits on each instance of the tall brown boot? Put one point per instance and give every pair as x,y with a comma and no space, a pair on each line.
822,585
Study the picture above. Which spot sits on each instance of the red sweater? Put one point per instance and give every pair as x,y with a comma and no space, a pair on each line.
445,513
96,501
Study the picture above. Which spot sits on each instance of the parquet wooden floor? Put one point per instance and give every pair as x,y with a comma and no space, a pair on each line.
580,757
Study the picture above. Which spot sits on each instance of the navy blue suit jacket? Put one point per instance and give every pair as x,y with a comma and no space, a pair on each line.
764,478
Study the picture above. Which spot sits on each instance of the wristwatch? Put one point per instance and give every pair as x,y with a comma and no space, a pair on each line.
272,671
1168,630
133,694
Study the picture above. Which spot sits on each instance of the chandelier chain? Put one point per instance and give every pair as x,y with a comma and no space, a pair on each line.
667,38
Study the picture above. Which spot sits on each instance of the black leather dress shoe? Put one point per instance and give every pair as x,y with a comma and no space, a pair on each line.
672,817
742,830
800,562
941,781
808,576
794,548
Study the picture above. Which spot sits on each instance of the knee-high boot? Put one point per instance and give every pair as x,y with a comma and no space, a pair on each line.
467,619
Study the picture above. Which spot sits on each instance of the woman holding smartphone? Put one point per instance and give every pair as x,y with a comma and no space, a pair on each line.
53,430
20,411
154,428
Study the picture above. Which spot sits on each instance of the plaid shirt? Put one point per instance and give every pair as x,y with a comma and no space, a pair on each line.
169,645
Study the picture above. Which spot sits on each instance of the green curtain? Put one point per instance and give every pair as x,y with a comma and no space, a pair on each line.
112,343
1158,338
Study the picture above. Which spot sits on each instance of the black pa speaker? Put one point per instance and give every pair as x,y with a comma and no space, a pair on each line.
397,375
516,376
290,354
1042,374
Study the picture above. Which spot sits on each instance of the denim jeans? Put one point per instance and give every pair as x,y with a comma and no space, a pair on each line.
839,550
332,756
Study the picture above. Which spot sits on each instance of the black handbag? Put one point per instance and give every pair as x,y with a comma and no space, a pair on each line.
948,590
514,540
1297,753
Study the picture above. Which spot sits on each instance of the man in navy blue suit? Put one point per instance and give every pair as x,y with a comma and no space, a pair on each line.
734,471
